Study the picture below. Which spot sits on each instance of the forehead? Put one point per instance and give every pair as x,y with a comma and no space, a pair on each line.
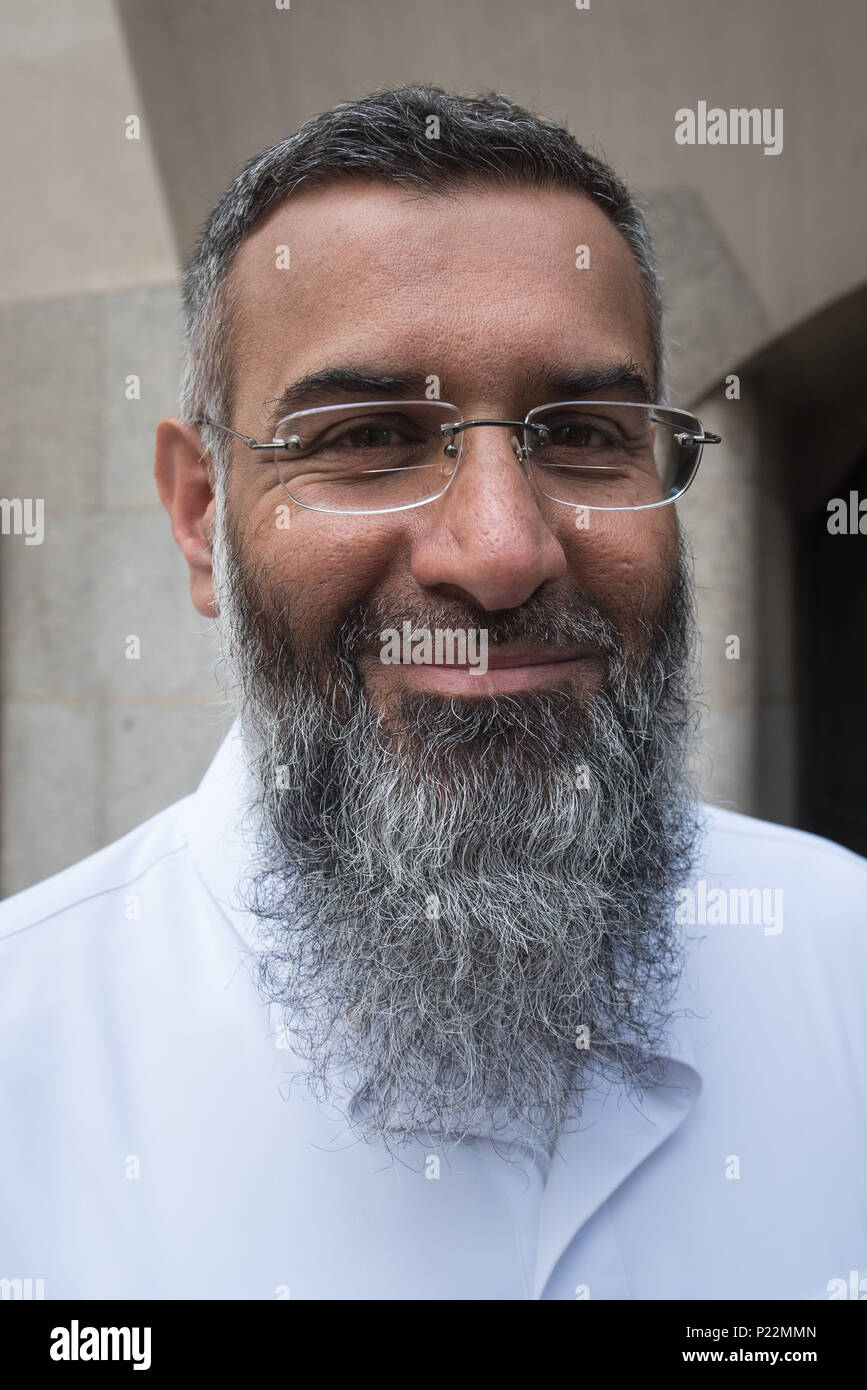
479,287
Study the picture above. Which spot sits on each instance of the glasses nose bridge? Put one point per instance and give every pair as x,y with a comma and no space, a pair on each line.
453,449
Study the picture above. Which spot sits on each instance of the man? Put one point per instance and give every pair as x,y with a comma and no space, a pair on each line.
442,985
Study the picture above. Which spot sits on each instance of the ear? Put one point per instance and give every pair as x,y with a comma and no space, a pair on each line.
184,479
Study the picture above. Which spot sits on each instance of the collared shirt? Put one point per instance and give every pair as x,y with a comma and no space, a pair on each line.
153,1145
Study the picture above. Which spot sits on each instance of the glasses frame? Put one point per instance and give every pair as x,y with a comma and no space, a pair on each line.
692,429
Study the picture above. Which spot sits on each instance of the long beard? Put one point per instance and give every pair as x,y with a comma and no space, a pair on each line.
466,906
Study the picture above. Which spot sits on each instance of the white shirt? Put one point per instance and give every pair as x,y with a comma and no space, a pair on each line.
152,1146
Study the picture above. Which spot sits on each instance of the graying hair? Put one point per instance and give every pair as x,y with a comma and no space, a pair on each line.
381,137
441,899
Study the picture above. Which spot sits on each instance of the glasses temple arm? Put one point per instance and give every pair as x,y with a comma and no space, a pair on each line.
246,439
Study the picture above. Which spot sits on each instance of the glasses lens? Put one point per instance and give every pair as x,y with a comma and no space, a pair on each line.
366,458
612,454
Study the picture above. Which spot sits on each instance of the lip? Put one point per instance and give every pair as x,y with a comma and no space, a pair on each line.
515,668
511,658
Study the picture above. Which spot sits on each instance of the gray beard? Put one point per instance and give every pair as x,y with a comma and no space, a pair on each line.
466,906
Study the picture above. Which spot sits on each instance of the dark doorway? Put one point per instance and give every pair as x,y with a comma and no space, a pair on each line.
832,661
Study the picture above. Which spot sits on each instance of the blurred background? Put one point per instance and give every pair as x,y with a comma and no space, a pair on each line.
765,266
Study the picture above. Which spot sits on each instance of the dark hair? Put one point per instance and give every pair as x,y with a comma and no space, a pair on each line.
383,137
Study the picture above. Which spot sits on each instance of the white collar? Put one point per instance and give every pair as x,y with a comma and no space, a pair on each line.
218,828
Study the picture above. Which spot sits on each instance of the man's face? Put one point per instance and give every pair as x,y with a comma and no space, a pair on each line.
481,290
459,874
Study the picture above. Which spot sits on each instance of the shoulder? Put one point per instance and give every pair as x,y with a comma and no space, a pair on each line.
738,843
100,880
785,901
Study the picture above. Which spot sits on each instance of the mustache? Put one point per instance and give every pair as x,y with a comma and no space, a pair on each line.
541,621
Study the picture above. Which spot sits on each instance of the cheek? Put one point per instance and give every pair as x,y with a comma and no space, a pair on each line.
625,562
320,564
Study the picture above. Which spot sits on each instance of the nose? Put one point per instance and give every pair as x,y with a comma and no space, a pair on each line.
487,538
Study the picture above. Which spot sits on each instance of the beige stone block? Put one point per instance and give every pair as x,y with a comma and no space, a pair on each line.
154,755
141,338
73,603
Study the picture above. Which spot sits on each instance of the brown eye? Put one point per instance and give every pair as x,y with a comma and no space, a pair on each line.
578,436
367,437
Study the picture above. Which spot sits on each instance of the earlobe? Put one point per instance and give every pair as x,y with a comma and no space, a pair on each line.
184,479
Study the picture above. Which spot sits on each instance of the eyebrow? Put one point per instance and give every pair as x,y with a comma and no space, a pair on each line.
584,385
354,383
330,384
